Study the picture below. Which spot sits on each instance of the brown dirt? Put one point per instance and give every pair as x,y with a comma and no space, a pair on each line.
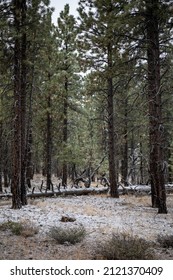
43,247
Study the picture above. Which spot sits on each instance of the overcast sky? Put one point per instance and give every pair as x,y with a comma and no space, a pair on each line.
59,6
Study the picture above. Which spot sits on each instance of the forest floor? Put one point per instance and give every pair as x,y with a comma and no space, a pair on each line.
100,215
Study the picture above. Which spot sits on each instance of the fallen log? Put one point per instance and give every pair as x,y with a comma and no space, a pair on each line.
134,190
76,192
65,192
141,189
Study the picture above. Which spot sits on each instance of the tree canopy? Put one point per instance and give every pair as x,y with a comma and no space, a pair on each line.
89,88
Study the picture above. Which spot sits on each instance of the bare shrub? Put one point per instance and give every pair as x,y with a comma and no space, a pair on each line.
14,227
23,228
29,230
123,246
68,235
165,241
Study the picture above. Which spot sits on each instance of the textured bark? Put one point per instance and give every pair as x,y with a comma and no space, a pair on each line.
65,132
124,163
29,133
29,165
156,130
111,130
23,103
49,145
16,162
1,157
6,169
132,172
19,139
141,181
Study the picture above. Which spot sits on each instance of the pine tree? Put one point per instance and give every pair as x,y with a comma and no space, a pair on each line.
100,23
149,35
156,129
17,144
18,16
66,39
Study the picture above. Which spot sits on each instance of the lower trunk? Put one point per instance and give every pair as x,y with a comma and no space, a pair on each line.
16,167
111,129
49,147
65,136
0,181
23,186
29,166
64,175
156,129
111,142
73,172
23,103
18,186
141,180
124,163
16,146
6,169
16,196
1,157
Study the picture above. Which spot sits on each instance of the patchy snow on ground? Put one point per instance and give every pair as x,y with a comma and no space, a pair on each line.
100,214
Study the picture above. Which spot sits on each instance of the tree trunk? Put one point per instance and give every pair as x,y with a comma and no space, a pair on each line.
111,130
156,130
1,157
23,103
29,137
124,163
73,172
65,135
29,165
29,133
19,138
49,146
141,181
6,171
132,172
16,161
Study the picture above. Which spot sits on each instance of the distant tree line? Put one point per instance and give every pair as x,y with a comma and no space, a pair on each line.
89,88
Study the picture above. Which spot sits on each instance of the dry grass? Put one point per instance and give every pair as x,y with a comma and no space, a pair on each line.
124,246
75,209
146,223
70,235
132,200
22,228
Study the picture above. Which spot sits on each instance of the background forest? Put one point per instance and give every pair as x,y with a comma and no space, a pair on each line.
89,96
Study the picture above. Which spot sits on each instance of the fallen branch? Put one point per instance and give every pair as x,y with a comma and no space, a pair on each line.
87,181
76,192
122,190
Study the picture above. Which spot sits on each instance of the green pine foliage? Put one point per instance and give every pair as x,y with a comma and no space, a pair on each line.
68,67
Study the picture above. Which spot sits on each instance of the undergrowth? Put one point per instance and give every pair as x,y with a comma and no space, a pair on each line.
124,246
166,241
22,228
68,235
